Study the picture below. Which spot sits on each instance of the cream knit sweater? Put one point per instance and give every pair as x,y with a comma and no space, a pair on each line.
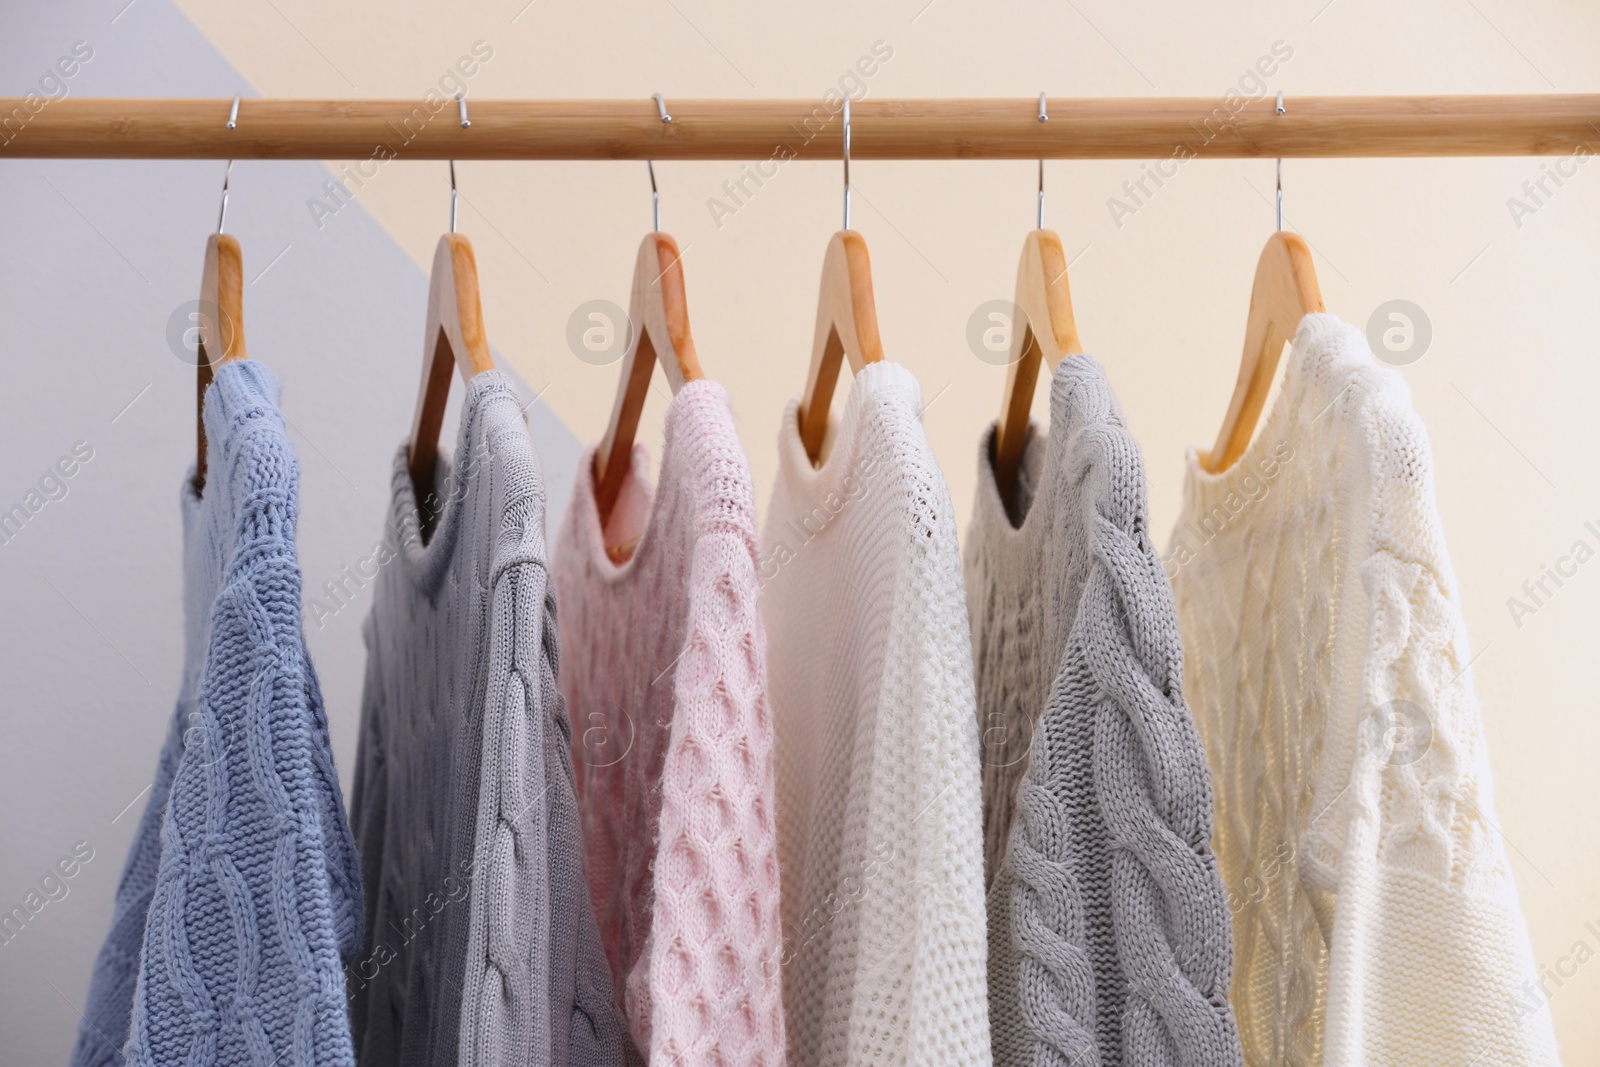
1375,917
879,817
663,663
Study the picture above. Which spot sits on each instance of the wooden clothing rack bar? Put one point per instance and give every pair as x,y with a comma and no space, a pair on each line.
1078,128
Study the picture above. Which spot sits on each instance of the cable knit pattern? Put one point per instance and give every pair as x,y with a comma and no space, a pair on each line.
1109,939
481,948
241,895
1376,920
879,795
665,661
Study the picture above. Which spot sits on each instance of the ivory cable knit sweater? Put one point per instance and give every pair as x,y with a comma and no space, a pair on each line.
1109,939
1376,921
240,900
481,945
880,831
664,666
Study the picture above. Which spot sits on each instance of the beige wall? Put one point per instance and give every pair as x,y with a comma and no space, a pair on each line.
1508,387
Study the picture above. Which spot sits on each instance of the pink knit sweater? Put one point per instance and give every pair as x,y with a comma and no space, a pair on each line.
663,665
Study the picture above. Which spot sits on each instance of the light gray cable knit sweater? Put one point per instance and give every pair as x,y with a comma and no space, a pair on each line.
1109,937
482,947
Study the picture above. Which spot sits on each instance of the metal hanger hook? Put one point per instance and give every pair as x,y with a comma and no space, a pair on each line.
1044,116
461,103
227,175
1280,170
222,215
452,196
655,198
847,162
655,194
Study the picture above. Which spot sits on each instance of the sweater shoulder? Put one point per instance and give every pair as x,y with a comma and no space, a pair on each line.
893,444
708,462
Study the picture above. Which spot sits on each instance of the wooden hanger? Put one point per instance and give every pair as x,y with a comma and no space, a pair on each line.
847,319
452,340
1285,290
847,328
1043,298
660,316
221,299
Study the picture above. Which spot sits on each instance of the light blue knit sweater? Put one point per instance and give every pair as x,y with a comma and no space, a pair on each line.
241,897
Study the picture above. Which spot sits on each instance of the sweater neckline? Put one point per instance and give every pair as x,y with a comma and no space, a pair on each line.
427,562
811,481
1312,338
586,511
995,516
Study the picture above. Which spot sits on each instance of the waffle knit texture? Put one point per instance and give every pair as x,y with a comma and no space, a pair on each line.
664,666
1109,939
481,947
1375,916
241,897
880,825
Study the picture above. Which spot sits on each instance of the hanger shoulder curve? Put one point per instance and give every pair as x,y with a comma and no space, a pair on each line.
1284,291
847,328
453,339
1046,333
221,321
659,312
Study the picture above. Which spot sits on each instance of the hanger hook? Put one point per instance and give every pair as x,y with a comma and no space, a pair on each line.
1044,116
227,175
655,194
655,199
461,103
222,215
452,196
1280,170
847,162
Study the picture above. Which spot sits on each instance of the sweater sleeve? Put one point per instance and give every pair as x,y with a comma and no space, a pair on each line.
242,947
104,1026
1116,746
946,961
531,992
1429,954
711,989
1169,909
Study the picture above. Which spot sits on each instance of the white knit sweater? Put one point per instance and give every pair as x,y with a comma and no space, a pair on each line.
1375,917
879,808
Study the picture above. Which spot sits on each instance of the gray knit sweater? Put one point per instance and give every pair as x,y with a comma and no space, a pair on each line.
481,944
1109,938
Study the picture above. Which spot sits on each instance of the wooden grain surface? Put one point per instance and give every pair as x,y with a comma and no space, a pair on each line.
1135,128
